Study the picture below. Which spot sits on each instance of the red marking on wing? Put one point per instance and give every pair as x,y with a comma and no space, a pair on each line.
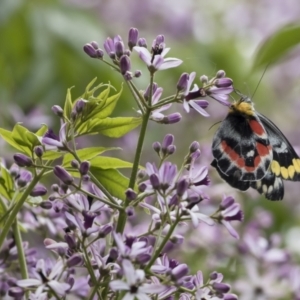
257,128
229,151
262,149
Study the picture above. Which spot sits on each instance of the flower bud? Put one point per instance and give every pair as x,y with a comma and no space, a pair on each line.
125,64
75,164
63,175
38,190
204,79
58,110
79,106
129,211
46,204
39,151
74,260
137,74
22,160
105,230
183,82
221,287
167,141
16,292
142,42
171,149
95,45
180,271
182,186
223,82
226,202
14,170
171,119
132,37
220,74
130,194
119,47
194,146
90,50
154,181
84,167
24,178
156,147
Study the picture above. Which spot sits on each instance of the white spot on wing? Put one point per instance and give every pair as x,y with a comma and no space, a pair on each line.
250,153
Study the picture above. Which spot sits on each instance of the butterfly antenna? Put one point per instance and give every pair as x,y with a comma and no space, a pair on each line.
214,125
261,77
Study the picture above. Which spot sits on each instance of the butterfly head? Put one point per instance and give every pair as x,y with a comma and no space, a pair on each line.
244,106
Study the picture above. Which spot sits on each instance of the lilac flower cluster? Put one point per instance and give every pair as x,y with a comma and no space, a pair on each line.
113,237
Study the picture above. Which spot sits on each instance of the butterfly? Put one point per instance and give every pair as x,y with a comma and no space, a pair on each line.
249,150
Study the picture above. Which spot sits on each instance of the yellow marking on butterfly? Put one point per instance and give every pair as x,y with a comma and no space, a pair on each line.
296,164
291,171
284,172
275,167
242,108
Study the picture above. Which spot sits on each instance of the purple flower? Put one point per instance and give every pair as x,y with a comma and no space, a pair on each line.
63,175
156,114
22,160
229,211
52,141
110,46
218,87
190,97
134,284
130,251
155,60
45,280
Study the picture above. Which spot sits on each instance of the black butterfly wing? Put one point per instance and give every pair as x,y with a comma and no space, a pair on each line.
241,148
286,162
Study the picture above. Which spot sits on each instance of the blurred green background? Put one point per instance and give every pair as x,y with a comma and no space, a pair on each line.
41,56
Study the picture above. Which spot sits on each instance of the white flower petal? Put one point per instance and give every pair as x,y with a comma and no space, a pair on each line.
186,106
144,54
165,51
230,229
59,287
170,63
129,296
152,288
117,285
129,272
198,108
29,282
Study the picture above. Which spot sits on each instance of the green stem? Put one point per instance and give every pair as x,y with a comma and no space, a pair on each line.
90,269
18,205
161,246
21,253
136,95
122,217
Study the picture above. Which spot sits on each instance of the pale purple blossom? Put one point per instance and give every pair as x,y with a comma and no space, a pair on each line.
190,97
134,284
45,281
157,62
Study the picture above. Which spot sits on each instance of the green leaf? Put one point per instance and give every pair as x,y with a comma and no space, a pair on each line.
7,136
277,45
68,104
19,134
112,127
115,183
42,130
6,183
52,155
105,162
86,154
110,105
